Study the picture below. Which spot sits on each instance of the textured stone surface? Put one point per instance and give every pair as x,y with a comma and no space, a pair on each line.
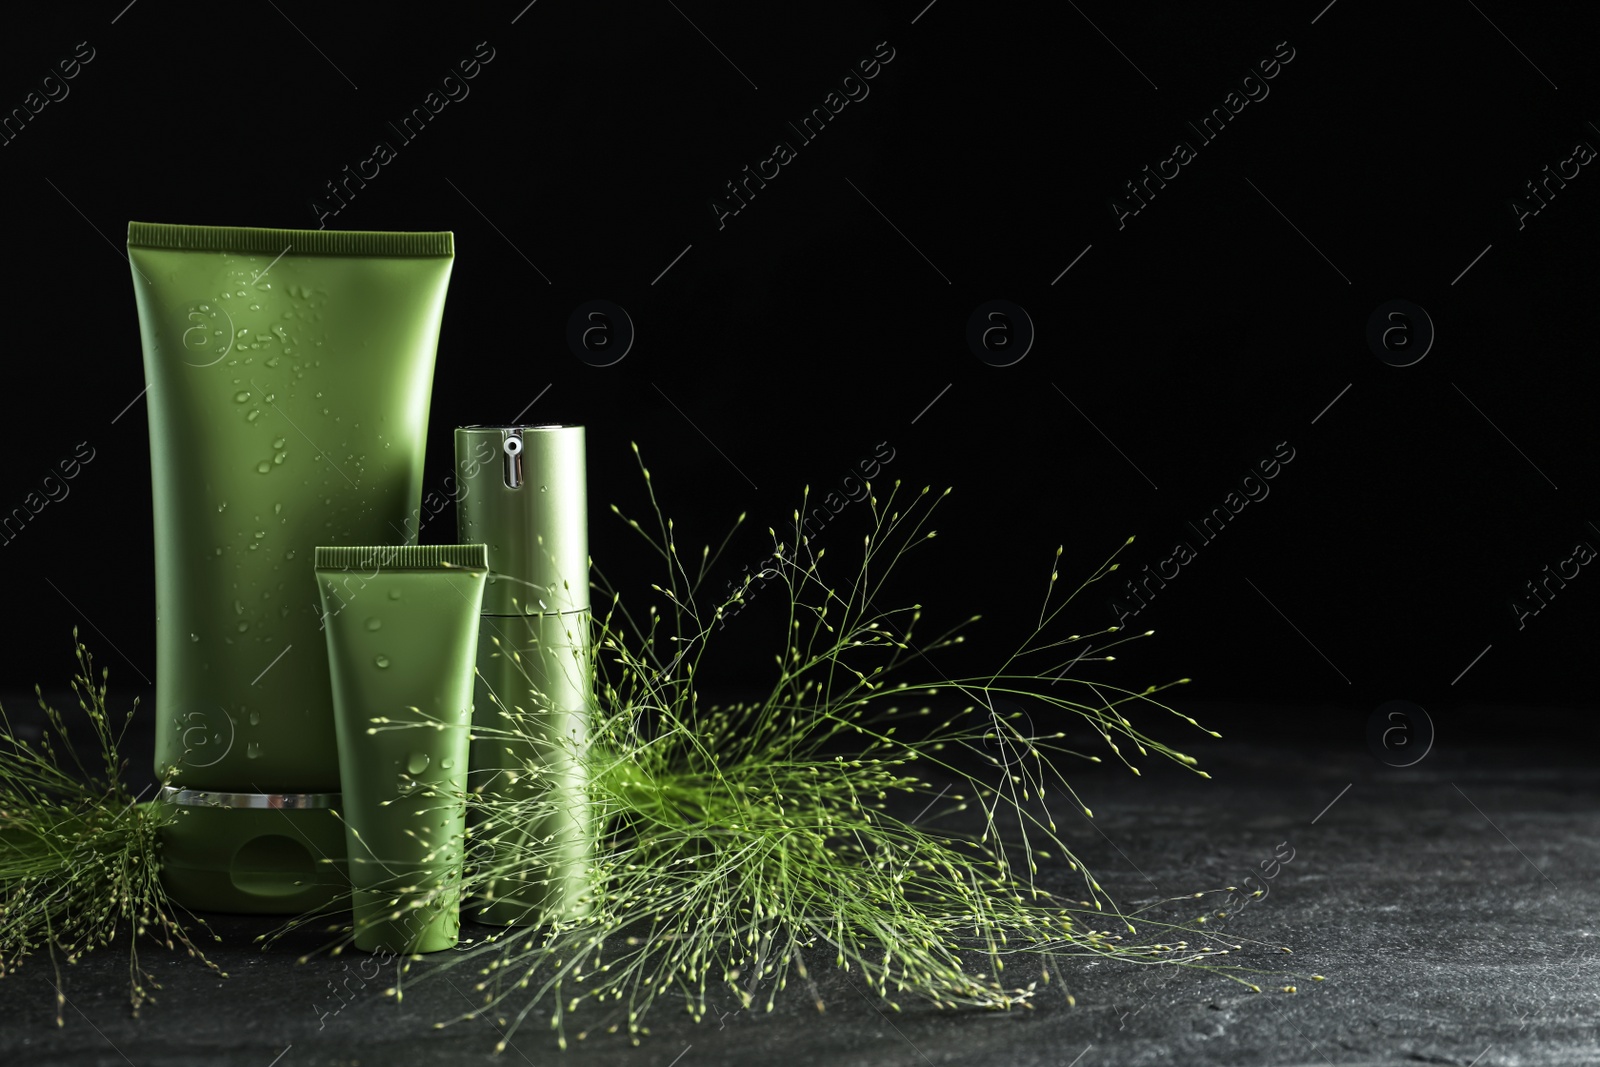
1451,906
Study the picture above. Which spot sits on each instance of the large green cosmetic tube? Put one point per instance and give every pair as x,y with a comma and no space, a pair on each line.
288,377
402,635
529,504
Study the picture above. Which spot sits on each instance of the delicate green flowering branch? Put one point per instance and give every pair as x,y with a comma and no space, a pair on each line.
78,853
735,843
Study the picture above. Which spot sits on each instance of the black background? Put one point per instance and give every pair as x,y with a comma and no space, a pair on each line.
828,315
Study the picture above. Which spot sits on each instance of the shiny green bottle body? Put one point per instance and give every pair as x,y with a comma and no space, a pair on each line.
524,494
288,375
402,636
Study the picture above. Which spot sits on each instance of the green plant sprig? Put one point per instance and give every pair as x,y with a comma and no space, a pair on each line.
734,842
79,860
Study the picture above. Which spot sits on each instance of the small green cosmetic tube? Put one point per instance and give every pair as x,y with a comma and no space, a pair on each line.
402,636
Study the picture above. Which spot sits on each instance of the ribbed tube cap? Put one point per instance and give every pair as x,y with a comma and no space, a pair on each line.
522,490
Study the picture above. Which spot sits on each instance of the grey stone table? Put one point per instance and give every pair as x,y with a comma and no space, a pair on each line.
1451,906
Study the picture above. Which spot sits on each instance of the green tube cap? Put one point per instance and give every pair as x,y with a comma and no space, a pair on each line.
523,492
